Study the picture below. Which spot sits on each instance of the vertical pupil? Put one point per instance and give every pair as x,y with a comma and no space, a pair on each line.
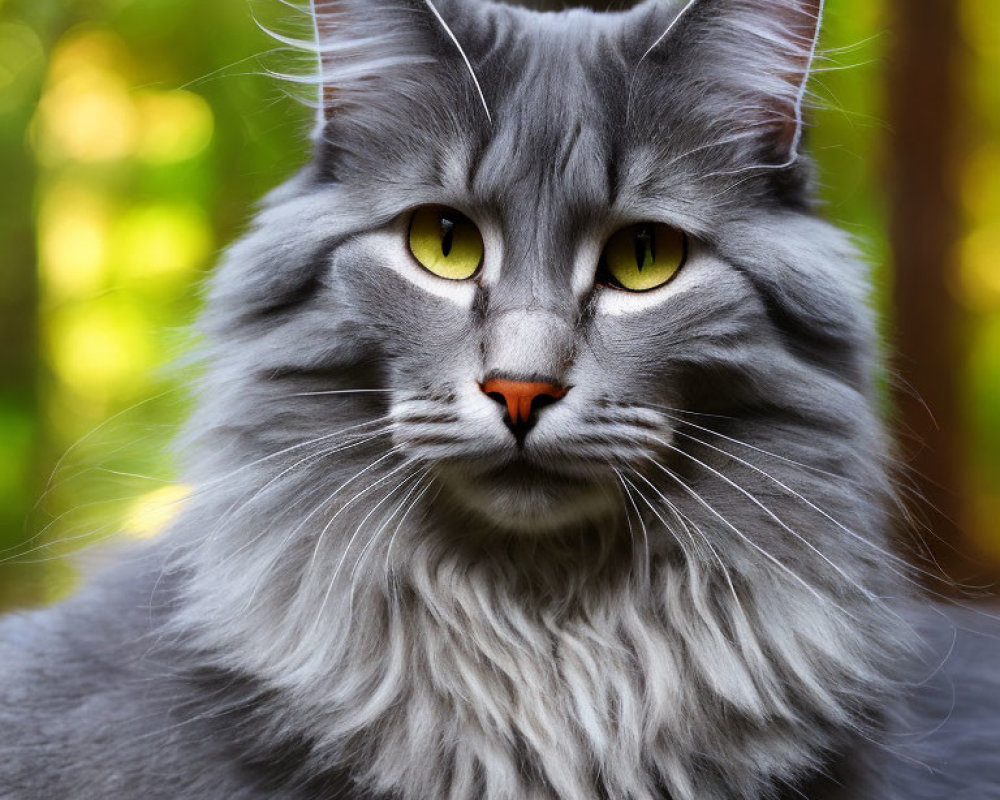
447,235
645,247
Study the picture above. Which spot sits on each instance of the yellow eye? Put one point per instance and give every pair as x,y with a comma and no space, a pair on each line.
446,242
642,257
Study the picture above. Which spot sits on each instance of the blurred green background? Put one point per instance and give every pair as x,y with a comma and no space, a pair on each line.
136,135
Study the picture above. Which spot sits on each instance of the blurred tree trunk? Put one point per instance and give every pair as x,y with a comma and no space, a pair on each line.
924,103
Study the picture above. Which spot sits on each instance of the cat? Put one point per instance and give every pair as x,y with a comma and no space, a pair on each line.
537,455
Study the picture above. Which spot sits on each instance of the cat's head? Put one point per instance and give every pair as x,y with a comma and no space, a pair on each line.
536,245
551,284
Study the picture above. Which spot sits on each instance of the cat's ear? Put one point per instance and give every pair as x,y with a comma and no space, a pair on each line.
381,51
364,47
750,59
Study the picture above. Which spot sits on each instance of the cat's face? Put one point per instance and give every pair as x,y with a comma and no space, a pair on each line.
528,382
539,241
570,157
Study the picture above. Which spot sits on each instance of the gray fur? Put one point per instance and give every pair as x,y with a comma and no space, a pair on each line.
680,587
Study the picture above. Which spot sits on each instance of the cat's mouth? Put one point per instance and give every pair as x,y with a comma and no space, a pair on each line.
525,496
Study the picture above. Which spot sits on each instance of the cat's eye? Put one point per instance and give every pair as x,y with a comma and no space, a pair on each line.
642,257
446,242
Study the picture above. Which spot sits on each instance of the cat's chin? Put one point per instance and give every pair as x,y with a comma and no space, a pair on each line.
528,499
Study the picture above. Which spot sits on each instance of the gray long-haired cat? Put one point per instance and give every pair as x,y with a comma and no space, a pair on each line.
536,457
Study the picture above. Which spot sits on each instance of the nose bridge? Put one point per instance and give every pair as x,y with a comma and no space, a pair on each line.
532,312
528,343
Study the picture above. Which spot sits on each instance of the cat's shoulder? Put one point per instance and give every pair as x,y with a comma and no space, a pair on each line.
944,739
86,707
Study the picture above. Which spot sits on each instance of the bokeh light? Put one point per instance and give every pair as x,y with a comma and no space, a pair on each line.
86,112
152,512
173,126
139,137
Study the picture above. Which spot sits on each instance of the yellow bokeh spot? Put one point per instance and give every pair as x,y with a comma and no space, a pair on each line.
90,113
152,512
86,113
101,349
173,126
161,241
980,269
981,26
87,49
73,233
981,182
89,117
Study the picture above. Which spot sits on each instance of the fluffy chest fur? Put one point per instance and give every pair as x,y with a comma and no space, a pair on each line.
666,655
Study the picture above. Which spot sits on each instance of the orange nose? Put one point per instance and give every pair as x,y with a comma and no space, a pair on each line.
520,396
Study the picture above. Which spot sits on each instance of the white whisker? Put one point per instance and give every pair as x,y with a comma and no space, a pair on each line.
465,58
747,540
417,477
342,391
357,496
635,72
781,523
713,432
642,524
402,519
332,580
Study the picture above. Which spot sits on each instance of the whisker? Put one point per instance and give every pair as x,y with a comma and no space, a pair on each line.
635,73
655,510
321,505
642,524
371,512
237,507
889,555
813,506
402,519
291,448
417,477
779,564
264,530
465,58
745,641
760,450
18,551
357,531
319,541
92,432
839,570
341,392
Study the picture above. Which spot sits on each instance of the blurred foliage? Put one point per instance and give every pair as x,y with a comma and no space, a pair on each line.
135,137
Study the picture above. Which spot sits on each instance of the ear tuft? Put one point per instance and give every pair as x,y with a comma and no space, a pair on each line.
751,59
803,23
362,46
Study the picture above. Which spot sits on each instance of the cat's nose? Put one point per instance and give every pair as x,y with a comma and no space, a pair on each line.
523,400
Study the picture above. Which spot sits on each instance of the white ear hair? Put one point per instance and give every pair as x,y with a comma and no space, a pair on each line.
377,39
673,24
320,111
793,148
461,52
800,29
